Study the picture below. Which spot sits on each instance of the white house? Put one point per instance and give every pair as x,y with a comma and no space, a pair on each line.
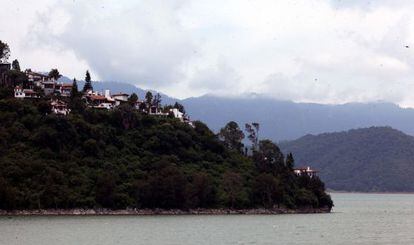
177,114
59,107
18,93
120,98
305,171
21,93
35,76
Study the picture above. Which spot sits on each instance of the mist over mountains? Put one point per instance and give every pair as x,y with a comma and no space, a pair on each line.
280,120
287,120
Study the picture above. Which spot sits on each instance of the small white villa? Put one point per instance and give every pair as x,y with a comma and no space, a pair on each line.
305,171
21,93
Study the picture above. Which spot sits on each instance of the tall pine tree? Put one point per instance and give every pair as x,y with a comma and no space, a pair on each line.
76,103
74,92
290,162
88,82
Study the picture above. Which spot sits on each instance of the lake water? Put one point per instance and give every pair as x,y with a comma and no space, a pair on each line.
356,219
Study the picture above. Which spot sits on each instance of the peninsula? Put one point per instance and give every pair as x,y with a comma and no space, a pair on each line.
65,151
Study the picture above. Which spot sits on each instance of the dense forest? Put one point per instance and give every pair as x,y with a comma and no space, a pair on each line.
376,159
121,159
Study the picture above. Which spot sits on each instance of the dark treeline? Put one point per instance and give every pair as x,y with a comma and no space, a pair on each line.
121,159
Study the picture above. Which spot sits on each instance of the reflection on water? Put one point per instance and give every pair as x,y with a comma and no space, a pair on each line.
356,219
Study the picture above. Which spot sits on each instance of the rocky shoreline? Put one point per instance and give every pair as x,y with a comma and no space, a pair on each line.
96,212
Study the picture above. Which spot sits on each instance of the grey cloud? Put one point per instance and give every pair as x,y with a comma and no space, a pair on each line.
354,49
135,43
367,4
220,78
336,85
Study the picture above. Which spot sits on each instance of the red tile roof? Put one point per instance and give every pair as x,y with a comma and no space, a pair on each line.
29,92
97,97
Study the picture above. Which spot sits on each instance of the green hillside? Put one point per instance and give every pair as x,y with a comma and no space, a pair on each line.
371,159
121,159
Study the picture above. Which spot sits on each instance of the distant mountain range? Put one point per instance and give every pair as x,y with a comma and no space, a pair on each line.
287,120
377,159
280,120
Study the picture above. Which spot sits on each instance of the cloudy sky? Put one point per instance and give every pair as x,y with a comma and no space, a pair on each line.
327,51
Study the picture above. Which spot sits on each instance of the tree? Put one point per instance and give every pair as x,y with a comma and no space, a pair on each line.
74,92
253,134
290,162
201,192
88,82
133,98
44,107
148,98
268,158
54,73
126,116
17,78
16,65
7,195
166,188
76,103
157,100
4,52
232,136
105,190
266,188
233,188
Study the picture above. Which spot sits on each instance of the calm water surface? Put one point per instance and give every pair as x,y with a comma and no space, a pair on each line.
357,219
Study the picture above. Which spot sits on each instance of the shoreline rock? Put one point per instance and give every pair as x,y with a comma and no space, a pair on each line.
138,212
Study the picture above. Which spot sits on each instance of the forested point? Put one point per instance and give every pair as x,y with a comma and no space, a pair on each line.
121,158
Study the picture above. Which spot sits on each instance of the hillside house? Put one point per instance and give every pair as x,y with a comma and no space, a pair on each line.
59,107
120,98
156,111
305,171
177,114
48,86
35,76
100,102
65,89
21,93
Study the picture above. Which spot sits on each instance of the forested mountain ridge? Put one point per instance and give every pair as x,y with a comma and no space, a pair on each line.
376,159
121,159
288,120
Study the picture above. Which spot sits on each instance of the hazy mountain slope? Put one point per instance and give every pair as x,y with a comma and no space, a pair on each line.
281,120
370,159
